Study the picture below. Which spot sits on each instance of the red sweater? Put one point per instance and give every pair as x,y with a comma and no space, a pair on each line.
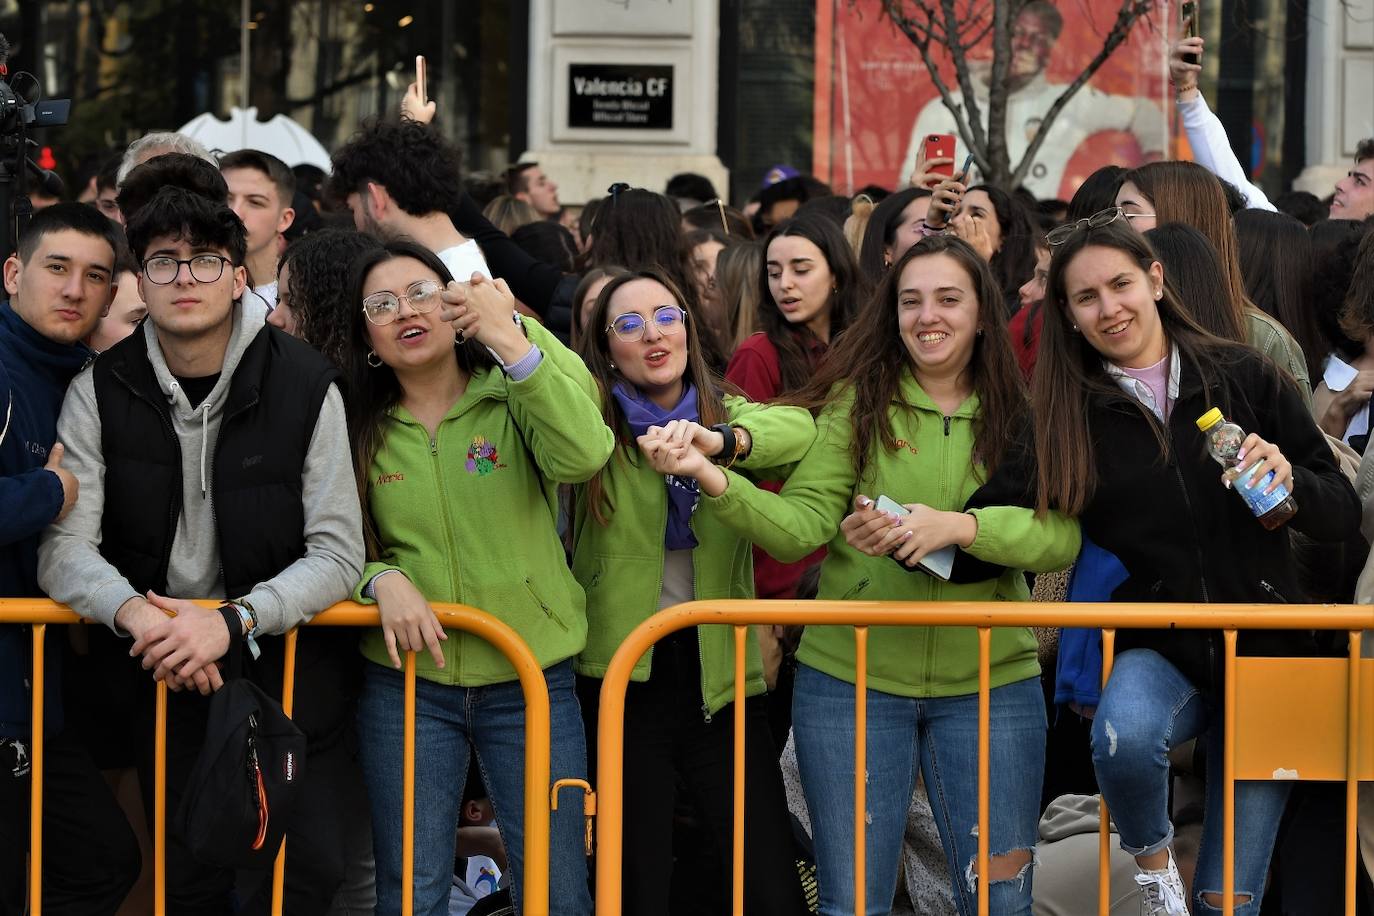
754,370
1026,352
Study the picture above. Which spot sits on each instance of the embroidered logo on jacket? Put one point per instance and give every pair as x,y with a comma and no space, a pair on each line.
390,478
482,457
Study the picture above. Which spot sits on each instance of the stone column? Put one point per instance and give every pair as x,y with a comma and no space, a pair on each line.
623,90
1340,89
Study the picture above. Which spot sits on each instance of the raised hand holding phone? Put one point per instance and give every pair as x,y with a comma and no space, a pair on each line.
946,198
416,105
1187,13
1185,66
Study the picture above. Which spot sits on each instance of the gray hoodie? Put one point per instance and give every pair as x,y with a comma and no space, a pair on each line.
72,571
1066,869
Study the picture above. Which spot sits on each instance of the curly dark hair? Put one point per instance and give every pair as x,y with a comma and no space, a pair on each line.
186,214
1357,312
1335,247
317,287
419,169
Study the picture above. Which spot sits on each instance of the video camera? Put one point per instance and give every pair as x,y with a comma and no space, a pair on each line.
22,107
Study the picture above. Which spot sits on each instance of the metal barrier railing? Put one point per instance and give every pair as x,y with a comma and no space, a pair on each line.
40,613
1355,762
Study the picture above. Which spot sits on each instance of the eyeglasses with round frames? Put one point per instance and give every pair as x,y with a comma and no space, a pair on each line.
383,308
1061,234
204,268
668,319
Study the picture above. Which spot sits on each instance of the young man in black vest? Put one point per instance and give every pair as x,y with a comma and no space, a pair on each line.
214,463
60,283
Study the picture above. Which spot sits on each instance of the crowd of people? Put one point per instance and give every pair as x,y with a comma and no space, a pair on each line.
224,379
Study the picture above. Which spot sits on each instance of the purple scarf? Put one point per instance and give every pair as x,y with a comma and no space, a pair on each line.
641,413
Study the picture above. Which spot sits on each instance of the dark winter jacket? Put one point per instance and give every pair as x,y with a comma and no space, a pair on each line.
1181,534
34,374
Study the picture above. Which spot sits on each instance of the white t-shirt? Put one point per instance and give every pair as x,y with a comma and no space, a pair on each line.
1338,375
465,259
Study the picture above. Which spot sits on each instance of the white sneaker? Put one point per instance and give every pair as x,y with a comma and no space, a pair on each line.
1161,891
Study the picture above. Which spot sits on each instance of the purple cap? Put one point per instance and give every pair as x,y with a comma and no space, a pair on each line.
779,173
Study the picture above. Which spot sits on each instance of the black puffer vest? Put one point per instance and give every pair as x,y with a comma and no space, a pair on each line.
258,460
256,480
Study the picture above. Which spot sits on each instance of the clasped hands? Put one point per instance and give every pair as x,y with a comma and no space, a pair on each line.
680,448
180,641
908,538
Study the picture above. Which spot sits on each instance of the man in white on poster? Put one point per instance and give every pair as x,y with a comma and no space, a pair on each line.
1033,37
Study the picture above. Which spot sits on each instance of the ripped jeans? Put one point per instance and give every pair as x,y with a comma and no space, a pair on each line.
1147,708
940,736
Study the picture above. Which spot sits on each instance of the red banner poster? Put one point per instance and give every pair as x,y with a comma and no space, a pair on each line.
875,100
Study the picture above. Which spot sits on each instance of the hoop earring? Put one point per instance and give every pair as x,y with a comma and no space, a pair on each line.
372,355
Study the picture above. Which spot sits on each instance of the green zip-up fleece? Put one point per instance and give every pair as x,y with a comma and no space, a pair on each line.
931,464
620,564
471,515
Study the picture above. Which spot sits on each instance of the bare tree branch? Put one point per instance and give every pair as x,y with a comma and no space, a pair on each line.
998,156
958,26
978,141
920,37
1130,12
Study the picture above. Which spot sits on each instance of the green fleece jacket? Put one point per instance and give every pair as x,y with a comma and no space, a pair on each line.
471,515
931,465
620,564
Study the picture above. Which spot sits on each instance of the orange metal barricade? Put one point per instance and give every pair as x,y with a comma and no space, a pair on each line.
1354,725
41,612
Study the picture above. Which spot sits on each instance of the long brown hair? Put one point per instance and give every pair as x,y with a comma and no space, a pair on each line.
850,290
1185,192
594,348
871,359
1357,312
1069,373
374,391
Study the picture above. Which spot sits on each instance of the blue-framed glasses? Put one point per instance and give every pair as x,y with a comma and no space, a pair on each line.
667,319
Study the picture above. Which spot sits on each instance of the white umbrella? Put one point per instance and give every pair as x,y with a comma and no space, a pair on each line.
281,136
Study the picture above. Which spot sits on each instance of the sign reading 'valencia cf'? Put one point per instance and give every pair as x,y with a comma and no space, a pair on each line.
620,96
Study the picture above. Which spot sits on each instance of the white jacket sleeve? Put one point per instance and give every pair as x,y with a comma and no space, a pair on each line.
1212,150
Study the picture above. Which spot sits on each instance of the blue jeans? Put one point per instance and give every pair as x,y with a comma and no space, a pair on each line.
940,735
448,722
1147,708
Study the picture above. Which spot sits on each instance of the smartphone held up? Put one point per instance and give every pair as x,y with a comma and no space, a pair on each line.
1188,26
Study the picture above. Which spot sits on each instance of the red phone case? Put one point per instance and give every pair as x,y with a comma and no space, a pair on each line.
941,146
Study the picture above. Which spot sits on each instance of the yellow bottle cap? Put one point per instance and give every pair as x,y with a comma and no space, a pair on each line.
1209,419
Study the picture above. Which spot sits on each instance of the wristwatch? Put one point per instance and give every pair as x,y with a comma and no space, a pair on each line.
733,448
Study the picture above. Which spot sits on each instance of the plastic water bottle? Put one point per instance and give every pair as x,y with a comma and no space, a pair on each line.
1224,440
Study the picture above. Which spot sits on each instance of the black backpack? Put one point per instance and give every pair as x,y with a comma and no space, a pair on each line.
242,791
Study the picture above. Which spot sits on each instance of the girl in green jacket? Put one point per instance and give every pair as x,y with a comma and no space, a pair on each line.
921,399
464,422
644,541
